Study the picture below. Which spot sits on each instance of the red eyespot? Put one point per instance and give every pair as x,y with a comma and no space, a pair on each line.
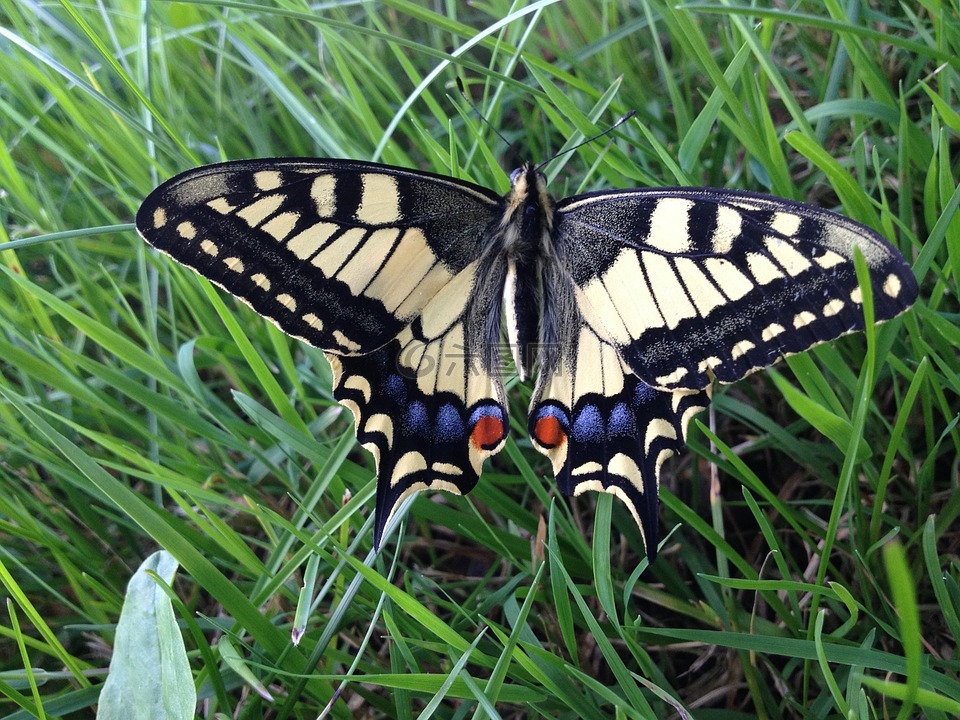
549,432
487,433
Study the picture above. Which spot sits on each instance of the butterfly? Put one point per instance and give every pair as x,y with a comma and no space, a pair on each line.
628,304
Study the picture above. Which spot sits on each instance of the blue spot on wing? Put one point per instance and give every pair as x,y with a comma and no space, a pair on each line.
643,393
449,424
417,419
556,412
588,426
483,411
395,388
622,422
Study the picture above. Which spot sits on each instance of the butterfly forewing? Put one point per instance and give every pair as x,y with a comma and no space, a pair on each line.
337,253
692,284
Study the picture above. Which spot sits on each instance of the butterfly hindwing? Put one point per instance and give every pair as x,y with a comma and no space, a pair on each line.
692,284
603,428
427,405
340,254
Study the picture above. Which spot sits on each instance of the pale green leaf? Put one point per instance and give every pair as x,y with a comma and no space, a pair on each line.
149,676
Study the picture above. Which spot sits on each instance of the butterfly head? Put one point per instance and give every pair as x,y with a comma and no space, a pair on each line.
527,181
528,202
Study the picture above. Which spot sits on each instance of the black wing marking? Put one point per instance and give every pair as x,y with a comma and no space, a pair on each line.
340,254
694,283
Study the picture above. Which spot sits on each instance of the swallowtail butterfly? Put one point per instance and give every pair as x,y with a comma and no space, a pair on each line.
628,303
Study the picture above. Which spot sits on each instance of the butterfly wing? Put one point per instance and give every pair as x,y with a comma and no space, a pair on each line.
379,267
658,291
691,284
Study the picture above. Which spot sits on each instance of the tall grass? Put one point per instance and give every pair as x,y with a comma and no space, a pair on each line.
809,567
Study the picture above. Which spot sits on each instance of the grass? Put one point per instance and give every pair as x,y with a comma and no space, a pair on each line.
809,566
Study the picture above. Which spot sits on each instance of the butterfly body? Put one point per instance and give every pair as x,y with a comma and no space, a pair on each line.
625,304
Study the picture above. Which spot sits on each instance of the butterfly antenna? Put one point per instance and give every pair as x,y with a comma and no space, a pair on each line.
480,115
589,140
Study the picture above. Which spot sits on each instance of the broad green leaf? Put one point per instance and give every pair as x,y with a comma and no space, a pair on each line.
149,676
